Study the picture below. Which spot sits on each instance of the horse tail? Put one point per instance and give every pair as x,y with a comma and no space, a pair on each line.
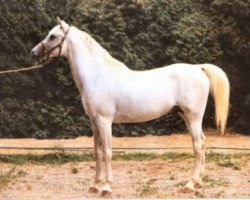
220,90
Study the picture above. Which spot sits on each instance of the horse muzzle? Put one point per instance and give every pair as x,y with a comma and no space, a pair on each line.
38,53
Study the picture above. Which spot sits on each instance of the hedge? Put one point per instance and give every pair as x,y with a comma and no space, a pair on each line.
142,34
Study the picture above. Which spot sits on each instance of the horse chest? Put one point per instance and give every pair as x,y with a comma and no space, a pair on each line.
86,106
98,103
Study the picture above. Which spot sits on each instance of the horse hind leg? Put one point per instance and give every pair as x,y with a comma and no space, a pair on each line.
194,123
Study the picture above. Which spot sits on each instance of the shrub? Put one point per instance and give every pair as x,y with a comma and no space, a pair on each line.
143,34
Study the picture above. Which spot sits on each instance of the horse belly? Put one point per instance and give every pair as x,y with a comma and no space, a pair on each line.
143,109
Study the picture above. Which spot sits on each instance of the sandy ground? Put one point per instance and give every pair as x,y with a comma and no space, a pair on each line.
132,179
170,142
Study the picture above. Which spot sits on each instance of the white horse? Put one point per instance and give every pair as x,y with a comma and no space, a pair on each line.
113,93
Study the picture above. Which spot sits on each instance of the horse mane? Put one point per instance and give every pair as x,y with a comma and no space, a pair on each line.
95,47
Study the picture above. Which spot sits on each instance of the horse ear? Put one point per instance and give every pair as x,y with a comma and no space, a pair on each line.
62,24
59,21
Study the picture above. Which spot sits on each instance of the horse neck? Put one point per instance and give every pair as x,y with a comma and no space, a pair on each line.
83,63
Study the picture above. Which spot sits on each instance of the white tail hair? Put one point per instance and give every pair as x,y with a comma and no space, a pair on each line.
220,89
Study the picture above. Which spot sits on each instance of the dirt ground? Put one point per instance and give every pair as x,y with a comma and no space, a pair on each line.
132,179
176,142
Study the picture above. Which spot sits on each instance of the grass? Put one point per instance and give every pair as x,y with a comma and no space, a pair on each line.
9,177
199,194
227,160
224,160
231,164
135,156
51,158
147,189
74,170
64,157
216,157
176,156
213,156
6,178
210,182
181,184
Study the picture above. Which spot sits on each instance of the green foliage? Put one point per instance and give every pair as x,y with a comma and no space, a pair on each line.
143,34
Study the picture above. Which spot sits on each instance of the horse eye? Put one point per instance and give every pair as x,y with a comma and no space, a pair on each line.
52,37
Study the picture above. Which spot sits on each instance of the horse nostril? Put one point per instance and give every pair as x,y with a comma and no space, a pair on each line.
33,54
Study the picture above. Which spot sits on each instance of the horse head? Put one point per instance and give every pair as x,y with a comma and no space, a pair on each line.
53,45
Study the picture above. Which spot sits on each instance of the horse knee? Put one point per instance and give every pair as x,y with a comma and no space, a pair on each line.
107,155
99,152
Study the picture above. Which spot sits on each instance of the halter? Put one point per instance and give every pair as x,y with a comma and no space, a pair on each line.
59,45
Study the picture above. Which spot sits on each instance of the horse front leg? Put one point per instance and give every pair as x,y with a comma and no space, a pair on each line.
98,158
105,130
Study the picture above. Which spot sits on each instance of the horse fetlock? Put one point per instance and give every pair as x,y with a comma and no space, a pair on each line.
98,179
110,179
203,171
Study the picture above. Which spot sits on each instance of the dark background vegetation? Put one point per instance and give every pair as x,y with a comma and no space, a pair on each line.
143,34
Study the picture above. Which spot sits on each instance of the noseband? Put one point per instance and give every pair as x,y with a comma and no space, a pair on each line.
59,45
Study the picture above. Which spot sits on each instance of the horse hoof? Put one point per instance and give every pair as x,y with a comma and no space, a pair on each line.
198,185
187,190
106,194
93,190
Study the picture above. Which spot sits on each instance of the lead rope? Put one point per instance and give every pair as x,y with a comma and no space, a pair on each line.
22,69
41,65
